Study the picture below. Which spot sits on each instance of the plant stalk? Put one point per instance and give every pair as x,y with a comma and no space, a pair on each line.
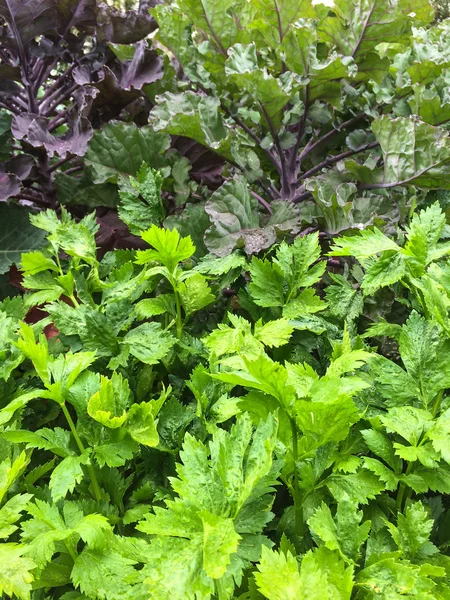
178,308
402,488
79,443
437,403
298,512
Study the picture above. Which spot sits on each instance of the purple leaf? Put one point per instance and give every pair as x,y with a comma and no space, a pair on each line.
124,28
20,166
146,67
29,18
112,98
10,72
84,98
35,131
9,185
81,14
9,89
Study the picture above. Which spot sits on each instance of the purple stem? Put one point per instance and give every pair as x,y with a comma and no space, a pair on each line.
301,197
72,170
59,163
311,147
276,140
65,95
56,85
254,137
334,159
301,131
261,201
12,109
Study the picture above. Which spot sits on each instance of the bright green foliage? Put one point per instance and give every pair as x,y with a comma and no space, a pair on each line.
278,283
168,441
386,263
209,532
344,533
168,247
322,575
15,573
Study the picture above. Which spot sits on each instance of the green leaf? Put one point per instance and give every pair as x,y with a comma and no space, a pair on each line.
367,243
323,576
261,374
193,116
328,421
412,533
414,153
389,575
270,94
55,440
108,405
66,476
276,20
294,262
195,293
343,300
15,571
140,200
235,223
16,234
234,340
141,424
169,248
7,413
266,287
151,307
392,382
306,303
356,29
222,501
409,422
10,470
149,343
220,541
47,286
423,351
115,453
103,575
273,333
278,576
35,262
11,512
439,434
193,221
344,533
121,148
381,445
389,269
360,487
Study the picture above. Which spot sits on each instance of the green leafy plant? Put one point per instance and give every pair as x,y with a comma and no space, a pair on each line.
161,439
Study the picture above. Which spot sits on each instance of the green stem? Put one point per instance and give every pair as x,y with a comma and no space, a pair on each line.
437,403
298,512
173,283
71,552
179,321
75,301
399,499
79,443
402,488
